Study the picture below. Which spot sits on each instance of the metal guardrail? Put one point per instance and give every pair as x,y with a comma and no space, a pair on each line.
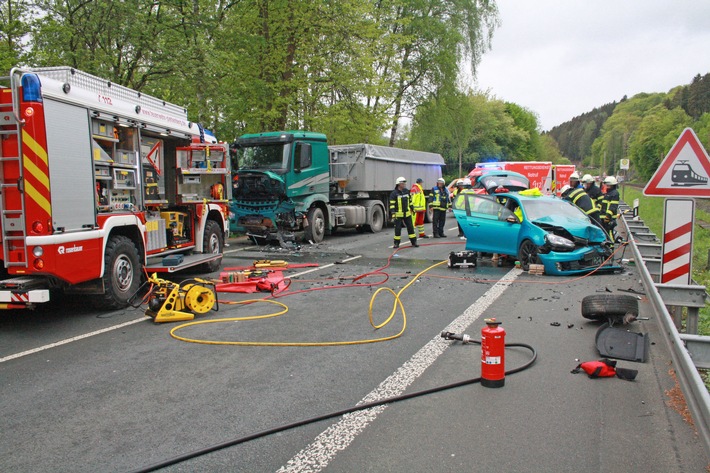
696,394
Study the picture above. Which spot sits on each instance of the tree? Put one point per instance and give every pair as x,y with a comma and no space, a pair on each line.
423,45
14,27
654,137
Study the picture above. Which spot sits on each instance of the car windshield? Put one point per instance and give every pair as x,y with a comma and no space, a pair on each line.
539,209
510,182
272,157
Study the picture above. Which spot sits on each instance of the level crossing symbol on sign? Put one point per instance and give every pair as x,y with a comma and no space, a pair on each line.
677,256
684,171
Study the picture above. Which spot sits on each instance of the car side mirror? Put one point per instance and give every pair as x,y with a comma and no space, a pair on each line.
512,219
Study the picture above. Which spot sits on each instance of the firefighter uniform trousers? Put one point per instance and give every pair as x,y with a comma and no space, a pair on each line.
610,210
440,202
419,207
402,215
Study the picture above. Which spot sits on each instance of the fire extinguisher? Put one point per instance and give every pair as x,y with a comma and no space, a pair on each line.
492,354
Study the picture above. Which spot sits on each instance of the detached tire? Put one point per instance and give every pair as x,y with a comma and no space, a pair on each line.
604,306
122,274
212,243
315,231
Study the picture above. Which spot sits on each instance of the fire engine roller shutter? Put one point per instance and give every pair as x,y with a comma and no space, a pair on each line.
70,166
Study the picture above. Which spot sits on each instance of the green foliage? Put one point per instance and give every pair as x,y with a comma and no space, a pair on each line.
467,128
576,136
14,26
653,138
350,68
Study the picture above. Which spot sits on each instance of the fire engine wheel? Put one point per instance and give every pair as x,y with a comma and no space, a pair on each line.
377,220
603,306
122,275
213,244
527,254
316,225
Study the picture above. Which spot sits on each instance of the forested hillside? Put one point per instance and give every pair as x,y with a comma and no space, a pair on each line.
642,128
576,136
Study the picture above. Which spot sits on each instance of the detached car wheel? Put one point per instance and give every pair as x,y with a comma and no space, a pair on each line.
604,306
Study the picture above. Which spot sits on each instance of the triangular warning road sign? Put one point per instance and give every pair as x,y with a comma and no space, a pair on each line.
684,171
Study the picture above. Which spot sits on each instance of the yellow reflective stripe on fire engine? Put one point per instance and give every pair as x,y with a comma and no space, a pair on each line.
36,172
37,197
35,147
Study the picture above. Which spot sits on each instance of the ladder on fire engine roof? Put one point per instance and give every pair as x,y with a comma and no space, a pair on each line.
13,214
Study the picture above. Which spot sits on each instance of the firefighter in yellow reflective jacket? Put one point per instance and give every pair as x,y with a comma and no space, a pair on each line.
401,212
440,202
610,205
419,207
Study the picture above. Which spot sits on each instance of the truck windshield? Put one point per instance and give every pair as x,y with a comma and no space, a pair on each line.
271,157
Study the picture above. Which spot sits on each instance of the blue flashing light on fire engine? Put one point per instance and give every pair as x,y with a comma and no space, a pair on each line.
31,88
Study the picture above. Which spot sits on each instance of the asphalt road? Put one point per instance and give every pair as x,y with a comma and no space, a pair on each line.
74,400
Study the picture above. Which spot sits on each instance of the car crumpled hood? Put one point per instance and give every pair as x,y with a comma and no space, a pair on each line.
577,227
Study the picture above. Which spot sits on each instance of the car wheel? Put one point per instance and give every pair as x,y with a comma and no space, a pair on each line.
316,225
604,306
527,254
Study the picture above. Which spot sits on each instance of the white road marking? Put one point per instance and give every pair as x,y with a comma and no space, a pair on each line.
73,339
316,456
114,327
323,267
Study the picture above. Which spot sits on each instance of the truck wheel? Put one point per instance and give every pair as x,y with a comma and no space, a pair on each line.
603,306
377,220
527,254
212,244
122,273
316,225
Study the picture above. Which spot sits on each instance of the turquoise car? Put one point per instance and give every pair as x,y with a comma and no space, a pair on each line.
534,229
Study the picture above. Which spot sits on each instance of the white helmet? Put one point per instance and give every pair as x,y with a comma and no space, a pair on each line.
610,181
564,189
401,180
441,179
466,181
587,179
574,175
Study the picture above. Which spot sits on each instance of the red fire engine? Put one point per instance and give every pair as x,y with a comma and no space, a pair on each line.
98,183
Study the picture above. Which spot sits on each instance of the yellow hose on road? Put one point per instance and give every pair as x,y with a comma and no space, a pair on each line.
395,304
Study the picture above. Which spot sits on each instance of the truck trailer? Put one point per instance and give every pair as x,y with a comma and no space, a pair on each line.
290,183
101,183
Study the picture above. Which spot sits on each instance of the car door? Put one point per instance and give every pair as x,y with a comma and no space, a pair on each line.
485,224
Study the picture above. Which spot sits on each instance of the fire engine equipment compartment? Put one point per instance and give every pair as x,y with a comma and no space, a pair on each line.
100,182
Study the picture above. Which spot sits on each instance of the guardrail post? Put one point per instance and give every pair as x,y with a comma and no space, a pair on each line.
681,295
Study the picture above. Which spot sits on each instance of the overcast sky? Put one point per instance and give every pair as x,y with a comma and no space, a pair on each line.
562,58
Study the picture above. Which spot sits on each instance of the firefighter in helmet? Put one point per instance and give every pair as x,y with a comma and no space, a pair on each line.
419,207
401,212
574,180
610,205
440,202
581,200
592,190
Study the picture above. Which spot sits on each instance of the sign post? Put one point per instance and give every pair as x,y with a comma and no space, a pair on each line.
683,173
